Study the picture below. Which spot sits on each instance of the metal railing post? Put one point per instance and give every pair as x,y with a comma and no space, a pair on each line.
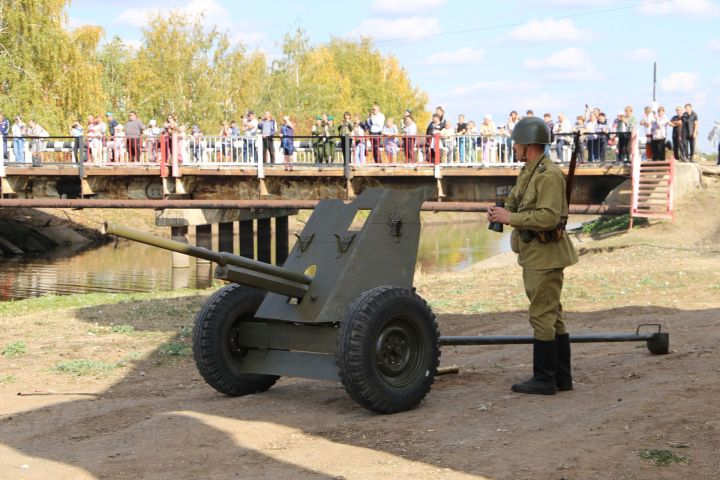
2,159
175,155
163,155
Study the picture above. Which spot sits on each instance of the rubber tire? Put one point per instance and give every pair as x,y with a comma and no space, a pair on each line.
211,342
356,353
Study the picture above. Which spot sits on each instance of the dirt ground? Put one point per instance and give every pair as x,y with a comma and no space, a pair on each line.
137,408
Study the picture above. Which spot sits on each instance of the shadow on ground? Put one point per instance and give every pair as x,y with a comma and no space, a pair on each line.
161,421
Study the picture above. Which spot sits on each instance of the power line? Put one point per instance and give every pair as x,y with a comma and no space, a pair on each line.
517,24
506,25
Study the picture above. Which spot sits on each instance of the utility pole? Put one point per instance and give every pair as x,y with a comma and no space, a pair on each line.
654,79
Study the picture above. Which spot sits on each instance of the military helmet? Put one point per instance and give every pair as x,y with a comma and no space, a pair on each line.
531,130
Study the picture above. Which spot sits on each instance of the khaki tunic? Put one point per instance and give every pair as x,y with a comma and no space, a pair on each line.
538,203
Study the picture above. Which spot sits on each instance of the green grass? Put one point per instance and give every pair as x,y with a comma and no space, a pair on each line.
14,349
7,379
85,300
661,457
83,367
609,224
175,349
123,329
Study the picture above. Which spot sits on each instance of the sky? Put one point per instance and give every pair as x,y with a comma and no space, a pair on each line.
481,57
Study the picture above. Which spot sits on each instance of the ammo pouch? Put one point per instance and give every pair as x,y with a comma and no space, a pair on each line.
545,236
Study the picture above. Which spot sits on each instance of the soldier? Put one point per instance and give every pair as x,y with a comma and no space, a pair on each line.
316,132
345,131
323,146
537,209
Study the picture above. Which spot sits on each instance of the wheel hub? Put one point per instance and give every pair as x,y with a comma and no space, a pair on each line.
397,352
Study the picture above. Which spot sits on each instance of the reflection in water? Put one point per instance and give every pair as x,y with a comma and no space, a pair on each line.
131,267
452,247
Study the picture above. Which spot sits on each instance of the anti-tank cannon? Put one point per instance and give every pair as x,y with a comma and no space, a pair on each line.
342,305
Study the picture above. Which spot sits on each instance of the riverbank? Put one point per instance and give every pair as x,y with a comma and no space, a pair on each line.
103,386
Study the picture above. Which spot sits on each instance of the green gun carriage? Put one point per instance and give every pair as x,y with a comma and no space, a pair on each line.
342,306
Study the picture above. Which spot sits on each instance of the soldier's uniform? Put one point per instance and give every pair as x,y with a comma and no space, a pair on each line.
539,204
317,145
323,145
538,212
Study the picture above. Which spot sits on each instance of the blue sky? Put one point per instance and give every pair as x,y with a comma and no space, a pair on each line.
480,57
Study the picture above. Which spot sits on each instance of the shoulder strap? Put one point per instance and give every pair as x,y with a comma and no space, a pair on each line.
571,169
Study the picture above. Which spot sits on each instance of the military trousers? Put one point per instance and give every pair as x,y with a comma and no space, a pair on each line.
543,288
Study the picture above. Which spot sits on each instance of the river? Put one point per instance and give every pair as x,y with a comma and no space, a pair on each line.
131,267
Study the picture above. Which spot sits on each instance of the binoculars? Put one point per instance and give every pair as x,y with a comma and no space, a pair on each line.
495,226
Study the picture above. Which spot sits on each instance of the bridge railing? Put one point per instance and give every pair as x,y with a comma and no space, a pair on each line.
355,151
37,151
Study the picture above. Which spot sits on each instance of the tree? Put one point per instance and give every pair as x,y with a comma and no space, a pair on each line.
182,67
46,72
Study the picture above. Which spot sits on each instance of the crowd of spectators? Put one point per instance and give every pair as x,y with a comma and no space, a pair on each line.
375,138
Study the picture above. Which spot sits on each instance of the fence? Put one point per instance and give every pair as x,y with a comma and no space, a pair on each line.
361,151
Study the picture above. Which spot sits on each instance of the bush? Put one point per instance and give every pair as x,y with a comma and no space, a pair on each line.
609,224
14,349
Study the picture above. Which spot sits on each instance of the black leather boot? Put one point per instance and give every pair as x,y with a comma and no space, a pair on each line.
563,374
544,366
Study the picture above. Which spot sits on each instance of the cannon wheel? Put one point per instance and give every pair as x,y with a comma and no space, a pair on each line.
388,349
214,344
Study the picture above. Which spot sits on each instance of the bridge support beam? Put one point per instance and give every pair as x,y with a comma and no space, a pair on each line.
247,239
202,219
281,239
203,268
264,240
226,236
179,234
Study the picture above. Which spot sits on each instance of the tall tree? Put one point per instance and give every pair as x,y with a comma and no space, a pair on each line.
47,72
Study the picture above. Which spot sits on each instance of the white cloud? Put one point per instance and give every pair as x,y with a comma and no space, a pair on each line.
388,29
689,8
247,38
567,3
461,56
132,43
73,23
641,55
405,6
136,17
714,45
572,64
549,30
213,13
680,82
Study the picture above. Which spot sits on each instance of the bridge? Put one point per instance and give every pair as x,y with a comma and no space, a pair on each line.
223,187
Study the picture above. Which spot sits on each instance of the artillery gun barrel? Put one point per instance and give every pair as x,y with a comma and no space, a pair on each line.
221,258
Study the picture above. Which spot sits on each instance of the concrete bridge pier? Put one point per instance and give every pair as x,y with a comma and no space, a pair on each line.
247,238
264,240
282,246
226,236
203,268
255,230
180,262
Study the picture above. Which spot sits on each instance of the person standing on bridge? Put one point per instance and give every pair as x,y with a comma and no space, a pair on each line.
287,141
37,146
133,131
250,129
268,128
111,124
18,131
4,131
537,208
375,124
